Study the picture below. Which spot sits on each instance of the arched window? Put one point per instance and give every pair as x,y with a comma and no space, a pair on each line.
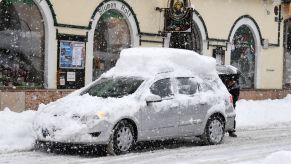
187,40
21,44
243,55
112,34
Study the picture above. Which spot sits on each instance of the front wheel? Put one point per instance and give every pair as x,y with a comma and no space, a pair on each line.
122,139
214,131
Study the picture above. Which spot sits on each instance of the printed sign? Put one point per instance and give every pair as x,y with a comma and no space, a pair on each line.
72,54
71,76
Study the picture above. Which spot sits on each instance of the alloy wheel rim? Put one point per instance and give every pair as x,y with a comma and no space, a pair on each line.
124,138
216,131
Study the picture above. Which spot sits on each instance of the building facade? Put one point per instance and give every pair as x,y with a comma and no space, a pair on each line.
52,45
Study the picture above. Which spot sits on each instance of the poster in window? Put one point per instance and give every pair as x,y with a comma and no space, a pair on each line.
72,54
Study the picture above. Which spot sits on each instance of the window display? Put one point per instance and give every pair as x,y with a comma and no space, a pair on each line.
21,45
111,36
243,55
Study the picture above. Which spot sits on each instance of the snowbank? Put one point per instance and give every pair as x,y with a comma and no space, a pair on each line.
16,132
147,62
280,157
264,113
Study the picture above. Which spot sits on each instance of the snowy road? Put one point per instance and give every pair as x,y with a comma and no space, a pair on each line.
251,145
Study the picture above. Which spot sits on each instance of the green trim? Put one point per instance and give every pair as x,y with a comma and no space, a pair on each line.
70,37
89,27
73,26
122,1
52,12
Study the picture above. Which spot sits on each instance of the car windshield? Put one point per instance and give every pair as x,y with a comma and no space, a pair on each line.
113,87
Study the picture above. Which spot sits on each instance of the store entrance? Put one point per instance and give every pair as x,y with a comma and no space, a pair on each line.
287,55
187,40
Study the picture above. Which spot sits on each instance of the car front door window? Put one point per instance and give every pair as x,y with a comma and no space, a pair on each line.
162,88
187,86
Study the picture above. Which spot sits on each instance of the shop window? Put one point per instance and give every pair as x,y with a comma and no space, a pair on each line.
21,45
243,55
187,40
112,34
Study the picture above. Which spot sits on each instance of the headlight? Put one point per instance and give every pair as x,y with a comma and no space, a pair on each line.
98,115
101,115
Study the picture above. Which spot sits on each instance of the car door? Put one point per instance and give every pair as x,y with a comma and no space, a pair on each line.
192,107
160,119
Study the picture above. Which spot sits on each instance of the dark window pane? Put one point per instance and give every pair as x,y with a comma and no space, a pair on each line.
243,55
187,86
21,45
117,87
162,88
111,36
187,40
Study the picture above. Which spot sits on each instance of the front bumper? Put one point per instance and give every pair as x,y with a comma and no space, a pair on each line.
98,134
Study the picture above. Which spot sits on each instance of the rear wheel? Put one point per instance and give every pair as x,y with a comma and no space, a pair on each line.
214,131
122,139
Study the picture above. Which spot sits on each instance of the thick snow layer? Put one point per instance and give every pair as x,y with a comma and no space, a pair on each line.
147,62
264,113
16,132
280,157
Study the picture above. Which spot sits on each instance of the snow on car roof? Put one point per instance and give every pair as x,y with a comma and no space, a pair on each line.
147,62
226,69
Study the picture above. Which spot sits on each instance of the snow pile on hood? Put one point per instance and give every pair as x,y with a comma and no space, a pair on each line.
263,113
75,114
147,62
16,132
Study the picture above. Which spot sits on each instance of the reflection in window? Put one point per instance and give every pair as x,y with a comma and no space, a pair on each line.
162,88
243,56
111,36
187,40
21,44
187,86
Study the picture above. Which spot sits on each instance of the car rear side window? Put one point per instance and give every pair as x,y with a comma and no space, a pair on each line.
162,88
187,86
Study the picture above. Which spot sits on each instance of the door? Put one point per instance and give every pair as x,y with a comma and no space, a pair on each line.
193,108
288,56
160,119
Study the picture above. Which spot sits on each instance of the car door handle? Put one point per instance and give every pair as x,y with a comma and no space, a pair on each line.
174,106
203,103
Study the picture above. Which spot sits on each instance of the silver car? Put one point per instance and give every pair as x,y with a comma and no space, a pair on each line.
120,111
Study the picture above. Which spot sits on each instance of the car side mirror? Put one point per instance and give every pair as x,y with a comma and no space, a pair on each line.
153,98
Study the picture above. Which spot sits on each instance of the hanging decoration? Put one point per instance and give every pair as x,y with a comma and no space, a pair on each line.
178,16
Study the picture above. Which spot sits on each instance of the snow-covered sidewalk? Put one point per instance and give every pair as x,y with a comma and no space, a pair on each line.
16,132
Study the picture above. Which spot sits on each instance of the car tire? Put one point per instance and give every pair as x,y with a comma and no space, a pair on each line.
122,139
214,131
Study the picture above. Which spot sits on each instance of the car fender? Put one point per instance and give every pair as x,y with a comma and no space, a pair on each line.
133,119
212,112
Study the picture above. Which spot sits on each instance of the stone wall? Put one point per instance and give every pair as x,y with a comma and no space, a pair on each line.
264,94
30,99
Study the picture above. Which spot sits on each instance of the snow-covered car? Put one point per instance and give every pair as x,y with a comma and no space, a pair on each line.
151,94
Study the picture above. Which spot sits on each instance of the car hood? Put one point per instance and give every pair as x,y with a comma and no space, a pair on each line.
85,105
